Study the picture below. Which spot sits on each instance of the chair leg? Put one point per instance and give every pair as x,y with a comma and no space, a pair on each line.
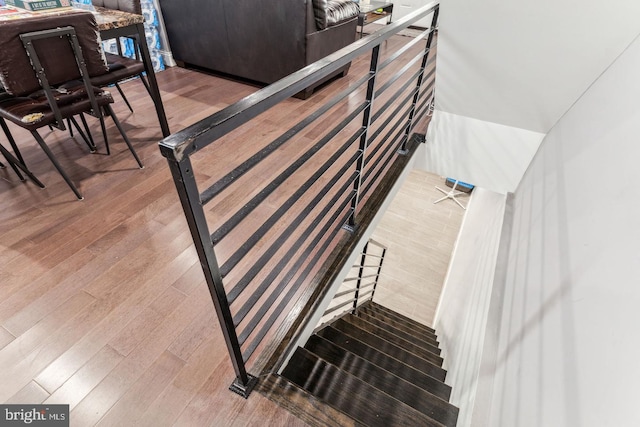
90,144
104,133
124,98
146,84
17,165
86,129
53,159
70,127
124,135
12,141
13,166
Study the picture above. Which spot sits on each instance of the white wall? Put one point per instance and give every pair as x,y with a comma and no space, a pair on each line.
518,67
523,63
464,303
486,154
569,346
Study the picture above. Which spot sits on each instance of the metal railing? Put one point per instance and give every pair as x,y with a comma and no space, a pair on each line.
360,286
273,216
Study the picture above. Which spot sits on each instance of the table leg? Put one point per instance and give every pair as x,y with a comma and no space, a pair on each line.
153,83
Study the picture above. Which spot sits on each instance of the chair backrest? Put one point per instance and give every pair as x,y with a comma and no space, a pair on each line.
131,6
29,41
57,58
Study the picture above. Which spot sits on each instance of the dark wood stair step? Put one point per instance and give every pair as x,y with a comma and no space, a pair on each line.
364,369
392,385
394,322
349,394
407,336
356,324
400,317
381,356
303,404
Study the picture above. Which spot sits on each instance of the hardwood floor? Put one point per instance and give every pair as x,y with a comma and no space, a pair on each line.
102,302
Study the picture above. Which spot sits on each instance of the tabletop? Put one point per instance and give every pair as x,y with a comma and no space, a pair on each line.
107,19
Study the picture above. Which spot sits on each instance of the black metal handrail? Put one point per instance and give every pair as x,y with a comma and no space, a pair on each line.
355,295
270,233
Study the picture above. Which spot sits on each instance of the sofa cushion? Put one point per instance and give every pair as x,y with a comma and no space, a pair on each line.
332,12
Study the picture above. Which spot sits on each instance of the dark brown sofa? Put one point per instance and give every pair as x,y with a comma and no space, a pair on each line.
261,41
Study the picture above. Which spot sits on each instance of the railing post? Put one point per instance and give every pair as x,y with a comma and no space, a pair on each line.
366,122
185,182
407,133
363,259
373,292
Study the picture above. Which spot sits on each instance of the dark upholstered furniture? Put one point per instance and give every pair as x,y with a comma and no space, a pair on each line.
261,41
131,6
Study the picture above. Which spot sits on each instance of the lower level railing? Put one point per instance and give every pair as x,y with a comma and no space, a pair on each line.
275,204
360,285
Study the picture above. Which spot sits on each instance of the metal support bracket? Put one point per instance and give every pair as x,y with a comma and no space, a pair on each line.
244,390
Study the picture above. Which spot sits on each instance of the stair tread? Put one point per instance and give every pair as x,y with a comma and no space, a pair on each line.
400,389
408,337
401,317
397,324
363,368
372,352
357,327
353,396
303,404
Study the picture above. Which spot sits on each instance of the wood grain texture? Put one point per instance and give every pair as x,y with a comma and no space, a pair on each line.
339,356
425,351
357,398
102,302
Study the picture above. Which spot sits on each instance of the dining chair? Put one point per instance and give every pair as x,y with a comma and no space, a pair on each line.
16,163
55,56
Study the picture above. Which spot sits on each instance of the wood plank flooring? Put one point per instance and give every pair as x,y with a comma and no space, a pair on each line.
102,302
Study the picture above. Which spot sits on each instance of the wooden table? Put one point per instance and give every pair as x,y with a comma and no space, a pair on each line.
114,24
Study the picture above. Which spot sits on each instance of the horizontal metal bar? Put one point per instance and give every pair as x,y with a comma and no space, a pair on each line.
378,244
296,285
366,285
232,222
339,306
268,303
361,277
405,48
400,73
370,266
204,132
261,289
404,103
249,275
343,293
276,216
401,119
420,108
381,169
220,185
394,98
362,296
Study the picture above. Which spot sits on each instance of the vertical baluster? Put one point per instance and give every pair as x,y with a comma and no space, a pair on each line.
407,133
363,259
187,188
366,122
375,284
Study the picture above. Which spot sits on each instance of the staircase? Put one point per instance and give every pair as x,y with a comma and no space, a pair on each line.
375,368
